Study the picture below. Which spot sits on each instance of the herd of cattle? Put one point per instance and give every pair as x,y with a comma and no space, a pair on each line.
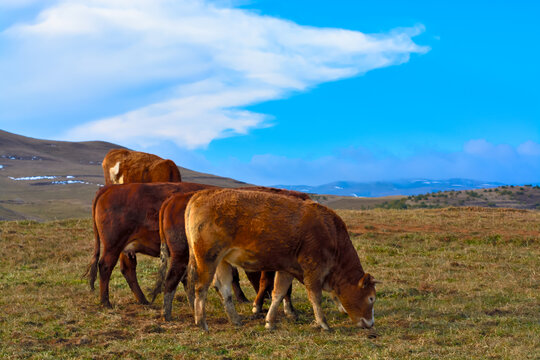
202,233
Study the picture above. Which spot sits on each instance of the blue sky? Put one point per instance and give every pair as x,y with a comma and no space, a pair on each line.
284,92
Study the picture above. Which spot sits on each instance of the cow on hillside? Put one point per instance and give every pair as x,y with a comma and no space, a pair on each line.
121,166
261,231
174,247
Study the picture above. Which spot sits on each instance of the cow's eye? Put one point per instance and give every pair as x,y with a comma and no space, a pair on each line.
371,299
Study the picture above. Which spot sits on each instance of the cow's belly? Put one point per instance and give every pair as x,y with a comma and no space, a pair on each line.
244,259
250,261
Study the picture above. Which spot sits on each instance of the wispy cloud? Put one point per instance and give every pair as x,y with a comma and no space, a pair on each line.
179,70
479,160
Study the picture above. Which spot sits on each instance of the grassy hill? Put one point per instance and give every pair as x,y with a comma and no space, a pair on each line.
46,180
516,197
457,283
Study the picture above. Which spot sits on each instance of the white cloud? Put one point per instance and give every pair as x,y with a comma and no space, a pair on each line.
529,148
192,64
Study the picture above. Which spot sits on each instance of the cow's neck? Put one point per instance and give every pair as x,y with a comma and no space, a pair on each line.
347,270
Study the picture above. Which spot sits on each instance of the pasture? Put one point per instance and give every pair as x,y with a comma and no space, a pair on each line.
457,283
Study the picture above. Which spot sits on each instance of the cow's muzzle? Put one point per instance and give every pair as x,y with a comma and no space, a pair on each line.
366,324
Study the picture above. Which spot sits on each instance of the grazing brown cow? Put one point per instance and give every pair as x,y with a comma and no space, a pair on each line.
126,222
121,166
261,231
174,247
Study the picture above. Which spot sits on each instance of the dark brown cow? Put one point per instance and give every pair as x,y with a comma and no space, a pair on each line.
121,166
126,222
260,231
174,247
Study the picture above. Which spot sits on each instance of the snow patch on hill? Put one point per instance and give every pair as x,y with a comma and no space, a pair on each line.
27,178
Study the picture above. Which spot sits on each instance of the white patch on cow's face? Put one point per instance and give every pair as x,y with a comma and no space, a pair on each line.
121,180
113,172
363,323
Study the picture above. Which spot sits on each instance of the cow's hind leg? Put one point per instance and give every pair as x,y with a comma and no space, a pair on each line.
238,293
266,284
128,267
175,273
254,278
314,290
223,281
282,282
199,280
106,265
287,304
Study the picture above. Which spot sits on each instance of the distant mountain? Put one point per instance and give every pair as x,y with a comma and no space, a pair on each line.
45,179
387,188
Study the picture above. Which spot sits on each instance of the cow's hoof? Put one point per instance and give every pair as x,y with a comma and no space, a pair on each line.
257,316
242,299
106,304
325,327
291,315
236,320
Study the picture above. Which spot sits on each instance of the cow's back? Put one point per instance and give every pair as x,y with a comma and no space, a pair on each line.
121,166
270,229
136,205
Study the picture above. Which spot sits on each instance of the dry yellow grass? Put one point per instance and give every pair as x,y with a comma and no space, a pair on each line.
457,283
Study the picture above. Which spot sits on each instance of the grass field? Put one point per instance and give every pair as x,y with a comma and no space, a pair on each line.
457,283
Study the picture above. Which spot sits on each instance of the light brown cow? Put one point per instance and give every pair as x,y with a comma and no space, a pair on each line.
261,231
121,166
175,252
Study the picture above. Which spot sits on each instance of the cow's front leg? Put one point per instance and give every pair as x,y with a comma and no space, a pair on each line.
314,291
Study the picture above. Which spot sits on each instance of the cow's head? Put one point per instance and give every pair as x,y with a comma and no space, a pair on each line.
359,299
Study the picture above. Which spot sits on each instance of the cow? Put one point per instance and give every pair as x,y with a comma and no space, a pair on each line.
175,253
126,222
122,166
261,231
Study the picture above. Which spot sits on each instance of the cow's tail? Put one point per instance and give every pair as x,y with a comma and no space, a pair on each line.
164,257
92,270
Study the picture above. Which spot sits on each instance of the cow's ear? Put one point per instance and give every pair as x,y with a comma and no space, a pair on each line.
365,281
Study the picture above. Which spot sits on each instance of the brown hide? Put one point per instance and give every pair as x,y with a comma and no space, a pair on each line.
173,237
121,166
126,221
268,232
